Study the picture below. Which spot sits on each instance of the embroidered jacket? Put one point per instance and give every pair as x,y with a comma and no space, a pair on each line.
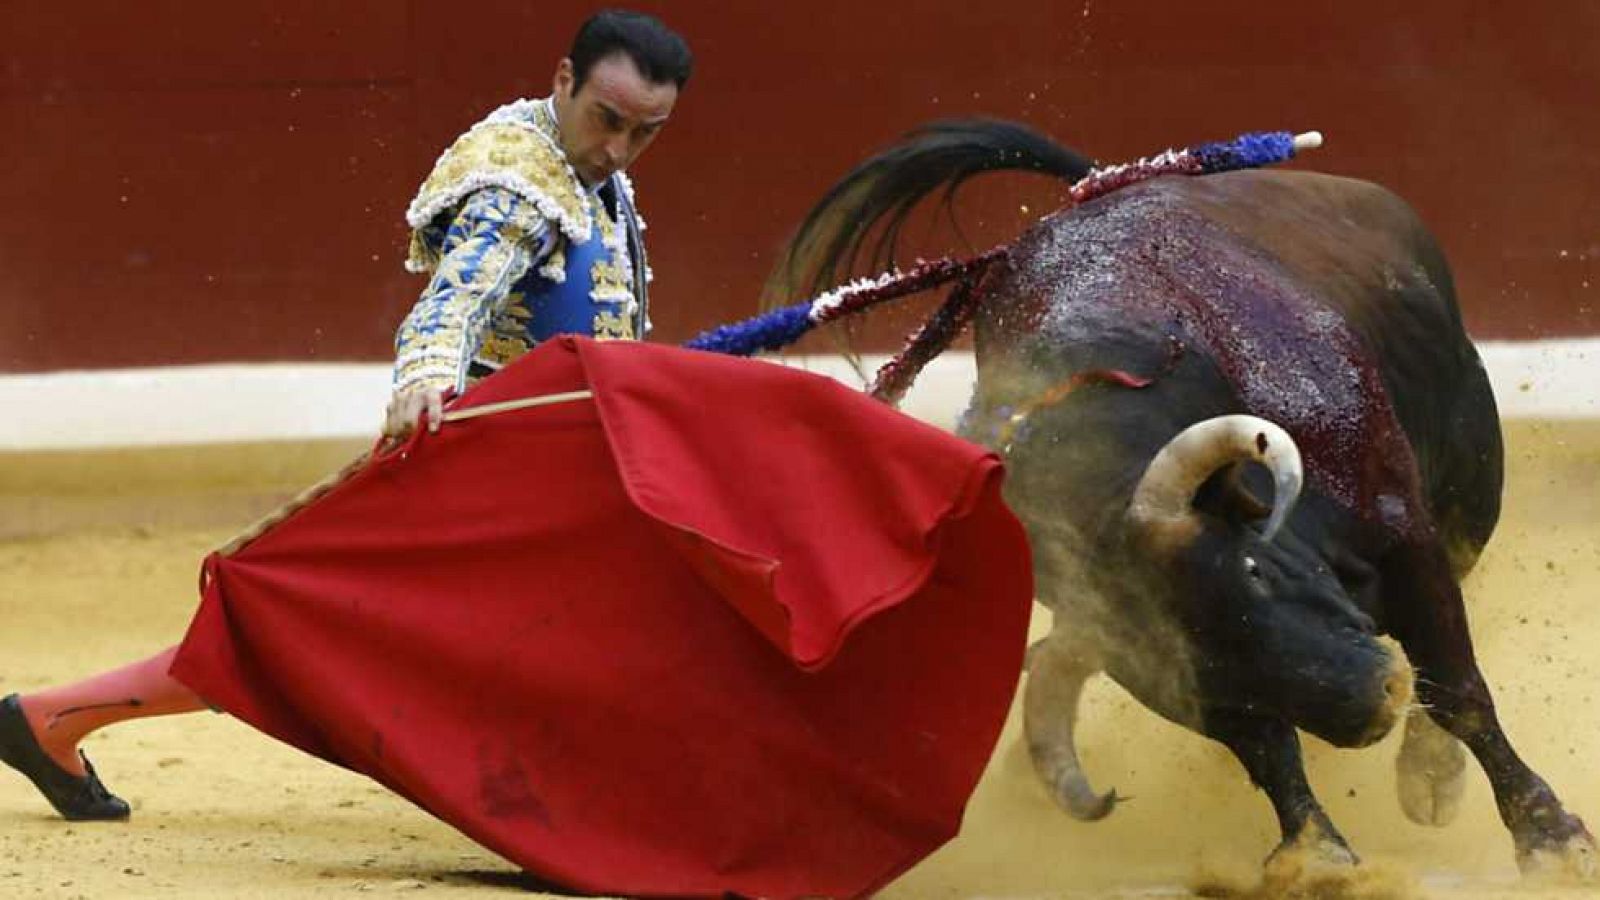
518,250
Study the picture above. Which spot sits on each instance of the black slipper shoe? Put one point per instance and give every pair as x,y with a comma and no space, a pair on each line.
77,798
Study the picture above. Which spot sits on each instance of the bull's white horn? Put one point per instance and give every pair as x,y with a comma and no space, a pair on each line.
1165,495
1307,140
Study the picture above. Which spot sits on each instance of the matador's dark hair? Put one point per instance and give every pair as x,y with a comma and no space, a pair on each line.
659,52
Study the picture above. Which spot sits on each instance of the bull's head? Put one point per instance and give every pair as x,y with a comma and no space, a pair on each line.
1273,627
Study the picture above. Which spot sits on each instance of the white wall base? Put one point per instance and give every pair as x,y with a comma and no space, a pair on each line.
287,401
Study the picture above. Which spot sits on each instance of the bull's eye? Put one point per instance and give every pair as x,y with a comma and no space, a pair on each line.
1250,567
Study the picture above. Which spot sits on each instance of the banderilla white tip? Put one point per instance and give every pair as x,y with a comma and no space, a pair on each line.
1307,140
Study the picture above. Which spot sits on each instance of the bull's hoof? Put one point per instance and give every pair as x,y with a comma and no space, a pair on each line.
1081,802
1430,793
1317,846
1315,853
1312,859
1574,860
1430,772
1326,870
1296,874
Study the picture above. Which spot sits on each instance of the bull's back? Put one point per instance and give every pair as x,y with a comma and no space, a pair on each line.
1318,301
1366,254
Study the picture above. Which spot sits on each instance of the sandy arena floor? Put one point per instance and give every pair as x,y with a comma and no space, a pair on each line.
221,811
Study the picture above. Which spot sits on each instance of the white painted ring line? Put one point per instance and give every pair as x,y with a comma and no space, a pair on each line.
178,405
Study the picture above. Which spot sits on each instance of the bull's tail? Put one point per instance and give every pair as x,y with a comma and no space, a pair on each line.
877,196
857,223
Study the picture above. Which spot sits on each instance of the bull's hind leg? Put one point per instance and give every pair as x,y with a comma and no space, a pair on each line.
1057,669
1269,749
1430,771
1430,620
1468,476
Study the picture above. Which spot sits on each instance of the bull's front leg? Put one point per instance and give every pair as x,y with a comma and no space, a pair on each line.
1429,618
1058,666
1269,748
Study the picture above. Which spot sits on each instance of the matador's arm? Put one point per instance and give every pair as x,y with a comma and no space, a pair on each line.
495,238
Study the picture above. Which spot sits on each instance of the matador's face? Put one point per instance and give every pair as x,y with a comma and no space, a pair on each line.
608,121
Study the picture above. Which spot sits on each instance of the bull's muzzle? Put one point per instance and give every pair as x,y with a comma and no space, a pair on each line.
1397,689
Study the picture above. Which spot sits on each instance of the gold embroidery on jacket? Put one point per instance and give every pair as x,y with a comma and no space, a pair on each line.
610,326
510,155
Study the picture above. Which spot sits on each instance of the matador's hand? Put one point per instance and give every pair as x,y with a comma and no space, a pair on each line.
405,406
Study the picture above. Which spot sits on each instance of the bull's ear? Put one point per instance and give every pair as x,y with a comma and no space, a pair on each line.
1227,495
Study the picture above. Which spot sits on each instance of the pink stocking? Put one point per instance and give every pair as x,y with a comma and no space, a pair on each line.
62,716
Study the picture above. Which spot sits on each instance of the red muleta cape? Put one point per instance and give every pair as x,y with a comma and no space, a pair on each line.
727,627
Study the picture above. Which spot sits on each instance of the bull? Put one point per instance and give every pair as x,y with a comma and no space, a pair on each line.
1255,453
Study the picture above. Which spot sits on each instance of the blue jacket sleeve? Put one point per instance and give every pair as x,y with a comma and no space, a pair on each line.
494,239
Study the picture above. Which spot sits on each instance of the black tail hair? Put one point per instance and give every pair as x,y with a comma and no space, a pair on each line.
886,187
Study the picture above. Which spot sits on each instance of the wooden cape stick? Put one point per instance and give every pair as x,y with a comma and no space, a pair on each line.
311,494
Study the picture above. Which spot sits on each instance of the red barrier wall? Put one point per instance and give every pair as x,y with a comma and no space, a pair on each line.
185,182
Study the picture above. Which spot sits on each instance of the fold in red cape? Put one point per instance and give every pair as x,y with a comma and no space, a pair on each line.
726,627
